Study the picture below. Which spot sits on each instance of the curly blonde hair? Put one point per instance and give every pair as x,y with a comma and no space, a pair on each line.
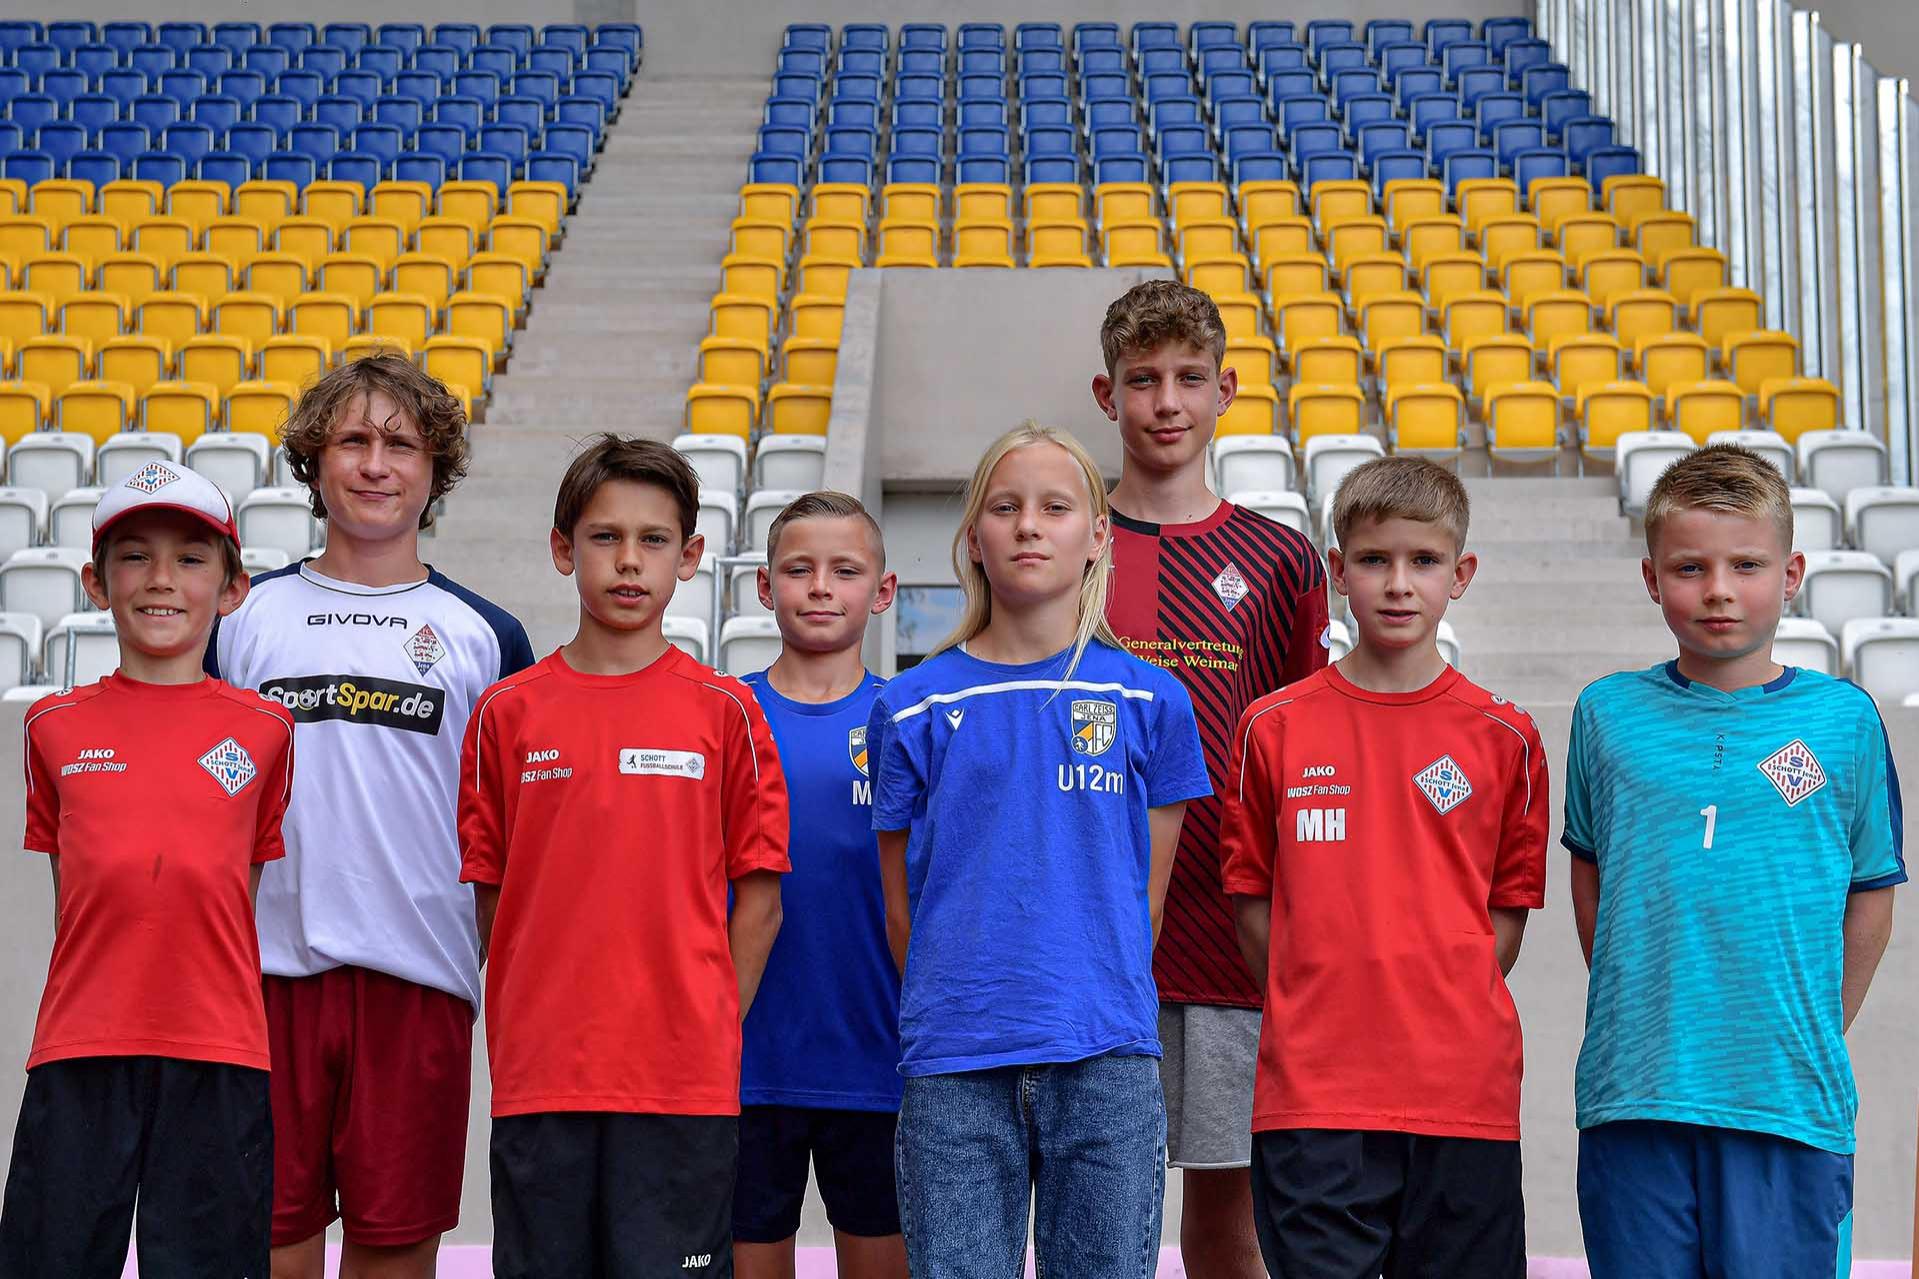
419,395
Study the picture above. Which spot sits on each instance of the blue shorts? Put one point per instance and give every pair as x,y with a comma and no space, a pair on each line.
1680,1201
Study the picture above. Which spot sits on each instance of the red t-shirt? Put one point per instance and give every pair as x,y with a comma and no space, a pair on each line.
158,799
611,811
1384,827
1235,606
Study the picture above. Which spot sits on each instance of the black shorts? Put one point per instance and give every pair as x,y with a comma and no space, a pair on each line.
189,1142
851,1152
1336,1204
613,1196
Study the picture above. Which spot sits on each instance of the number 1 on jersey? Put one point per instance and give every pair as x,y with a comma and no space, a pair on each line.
1711,813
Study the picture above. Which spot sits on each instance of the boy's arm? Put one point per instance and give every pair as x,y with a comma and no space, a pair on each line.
1162,824
750,930
1254,916
899,910
1249,841
1509,929
53,863
1580,836
1868,928
486,904
1519,869
480,819
1585,890
1306,648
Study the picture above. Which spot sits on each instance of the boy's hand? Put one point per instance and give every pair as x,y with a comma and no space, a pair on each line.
1868,929
751,929
1255,918
1585,877
1509,929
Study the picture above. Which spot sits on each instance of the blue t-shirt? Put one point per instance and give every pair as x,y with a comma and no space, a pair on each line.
1729,829
1026,792
824,1029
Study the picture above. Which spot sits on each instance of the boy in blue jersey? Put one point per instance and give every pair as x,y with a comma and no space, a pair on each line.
819,1061
1735,831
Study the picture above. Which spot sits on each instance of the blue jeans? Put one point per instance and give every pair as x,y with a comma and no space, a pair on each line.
1084,1141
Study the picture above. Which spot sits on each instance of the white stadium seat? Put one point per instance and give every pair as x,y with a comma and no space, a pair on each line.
1882,655
51,461
1842,585
123,454
235,460
43,581
1817,522
762,508
688,634
1883,521
29,693
719,460
1800,641
748,644
1770,445
279,518
70,522
1447,641
19,648
1841,460
263,559
23,514
96,649
1905,581
1283,505
743,593
1253,463
719,519
1330,457
1340,641
1641,457
695,598
796,462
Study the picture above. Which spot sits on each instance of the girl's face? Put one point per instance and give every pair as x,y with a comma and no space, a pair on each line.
1036,530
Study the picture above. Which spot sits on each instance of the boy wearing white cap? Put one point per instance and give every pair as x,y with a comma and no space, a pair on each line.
156,794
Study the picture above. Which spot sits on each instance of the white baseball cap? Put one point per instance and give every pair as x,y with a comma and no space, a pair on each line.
163,486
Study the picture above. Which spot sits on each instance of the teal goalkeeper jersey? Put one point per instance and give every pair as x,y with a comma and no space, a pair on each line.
1729,830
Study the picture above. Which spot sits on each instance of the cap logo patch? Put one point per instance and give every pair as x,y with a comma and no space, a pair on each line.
1793,772
230,765
1443,782
151,478
423,648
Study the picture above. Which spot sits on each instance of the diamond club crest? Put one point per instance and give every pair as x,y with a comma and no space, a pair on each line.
151,478
423,649
1443,782
1793,772
230,765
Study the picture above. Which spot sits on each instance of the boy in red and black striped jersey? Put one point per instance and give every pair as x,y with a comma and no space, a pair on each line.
1234,604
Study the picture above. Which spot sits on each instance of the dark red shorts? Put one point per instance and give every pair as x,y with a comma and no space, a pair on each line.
371,1080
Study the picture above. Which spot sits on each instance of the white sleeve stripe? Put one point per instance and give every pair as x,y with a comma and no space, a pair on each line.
1526,764
479,733
287,793
1019,686
753,747
26,733
1247,737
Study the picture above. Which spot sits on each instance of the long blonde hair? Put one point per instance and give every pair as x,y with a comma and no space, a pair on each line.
1098,571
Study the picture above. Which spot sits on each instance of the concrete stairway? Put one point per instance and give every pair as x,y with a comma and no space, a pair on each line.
1558,600
611,340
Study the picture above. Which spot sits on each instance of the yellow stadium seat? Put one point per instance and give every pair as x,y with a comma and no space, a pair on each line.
23,409
1553,200
1629,195
1794,405
1410,199
751,277
774,201
98,409
1293,275
737,316
207,276
1283,238
1391,316
1493,360
908,244
1241,313
127,200
477,315
433,278
809,361
279,275
1339,201
132,275
333,316
1557,314
268,202
1526,276
502,277
6,358
1216,273
253,316
1481,199
818,317
1328,361
1371,274
409,317
95,316
1428,419
1607,274
1640,313
824,238
164,239
1451,275
1426,239
174,317
838,202
1509,234
1689,272
138,359
1607,410
756,239
13,196
1580,360
56,361
792,409
1355,238
1208,237
1254,411
721,410
1759,356
197,203
1134,242
350,275
1253,357
1661,359
1301,319
1055,202
1522,421
1581,235
448,238
186,409
335,203
1265,199
1114,200
542,202
464,363
221,360
1701,408
24,315
1719,313
55,276
24,235
307,238
60,201
982,202
826,277
381,239
731,362
239,240
1189,200
93,239
983,243
1317,409
260,407
1658,235
910,202
295,358
1409,361
522,238
1471,315
407,203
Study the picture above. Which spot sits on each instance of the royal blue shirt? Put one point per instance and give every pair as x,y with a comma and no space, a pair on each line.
1025,790
824,1029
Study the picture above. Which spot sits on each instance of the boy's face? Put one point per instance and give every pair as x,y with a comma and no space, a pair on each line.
1398,575
166,581
1722,581
375,474
626,554
825,580
1036,530
1167,402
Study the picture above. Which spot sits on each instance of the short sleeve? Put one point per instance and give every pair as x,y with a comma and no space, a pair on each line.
895,753
43,800
1878,820
482,803
269,844
1249,830
1308,647
1176,766
516,651
753,792
1578,836
1519,870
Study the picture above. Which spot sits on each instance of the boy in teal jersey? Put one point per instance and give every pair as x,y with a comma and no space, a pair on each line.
1735,830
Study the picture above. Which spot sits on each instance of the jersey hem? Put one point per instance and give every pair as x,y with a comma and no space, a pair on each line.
1241,886
1716,1117
1213,1000
1418,1126
1892,880
613,1103
801,1099
217,1054
1050,1056
1578,849
471,996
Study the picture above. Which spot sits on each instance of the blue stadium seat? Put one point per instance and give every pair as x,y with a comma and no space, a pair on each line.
1095,35
11,139
1168,85
351,36
1514,136
923,35
464,112
404,112
97,167
270,60
1458,56
447,142
1611,162
1398,56
1441,32
1099,84
383,60
1559,107
530,114
61,139
1461,166
846,86
1228,84
556,60
383,142
1308,140
302,85
982,35
502,61
982,86
279,112
13,83
1382,137
1039,35
1265,34
807,35
123,86
802,61
991,140
518,37
982,61
1281,85
912,168
573,35
32,110
155,111
215,110
320,141
1117,140
1244,139
1281,57
438,60
1305,108
1392,166
1155,60
125,139
93,110
464,36
1245,108
1038,168
229,167
1328,31
36,59
482,86
853,62
153,61
361,85
420,166
543,85
1522,55
290,166
1121,168
915,113
1215,58
855,169
163,167
407,36
421,86
293,35
1108,111
342,113
1381,32
243,86
1443,137
1259,166
1155,35
918,142
922,62
27,166
924,88
1586,135
1479,82
254,141
1175,111
356,166
1102,62
68,34
1040,62
576,141
1538,81
1499,33
1352,83
1190,168
780,140
1367,108
189,139
64,84
1496,109
1182,139
210,60
128,35
94,60
1338,57
15,32
1429,109
1544,162
845,140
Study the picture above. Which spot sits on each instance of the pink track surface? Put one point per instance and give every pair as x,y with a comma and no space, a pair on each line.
470,1262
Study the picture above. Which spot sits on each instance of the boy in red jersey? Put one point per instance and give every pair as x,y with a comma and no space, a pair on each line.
608,797
1234,604
1385,836
156,795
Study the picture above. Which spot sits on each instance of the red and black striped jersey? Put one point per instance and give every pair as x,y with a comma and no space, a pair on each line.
1235,606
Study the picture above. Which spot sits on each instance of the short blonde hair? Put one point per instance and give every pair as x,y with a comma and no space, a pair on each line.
1151,314
1725,478
1402,488
824,504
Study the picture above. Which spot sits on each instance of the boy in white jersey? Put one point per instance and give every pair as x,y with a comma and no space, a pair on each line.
366,933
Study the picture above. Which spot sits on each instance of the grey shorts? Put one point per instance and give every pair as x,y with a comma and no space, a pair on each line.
1207,1073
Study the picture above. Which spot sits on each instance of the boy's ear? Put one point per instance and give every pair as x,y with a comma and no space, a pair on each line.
764,580
562,548
234,593
1463,569
690,552
1652,580
1228,387
1336,568
1103,395
883,598
1795,574
95,587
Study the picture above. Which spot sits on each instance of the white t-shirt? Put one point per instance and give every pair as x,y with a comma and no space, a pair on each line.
380,681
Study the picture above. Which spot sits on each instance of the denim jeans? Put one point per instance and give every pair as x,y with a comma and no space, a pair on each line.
1084,1141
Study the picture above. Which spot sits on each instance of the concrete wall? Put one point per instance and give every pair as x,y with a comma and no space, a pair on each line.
1888,28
